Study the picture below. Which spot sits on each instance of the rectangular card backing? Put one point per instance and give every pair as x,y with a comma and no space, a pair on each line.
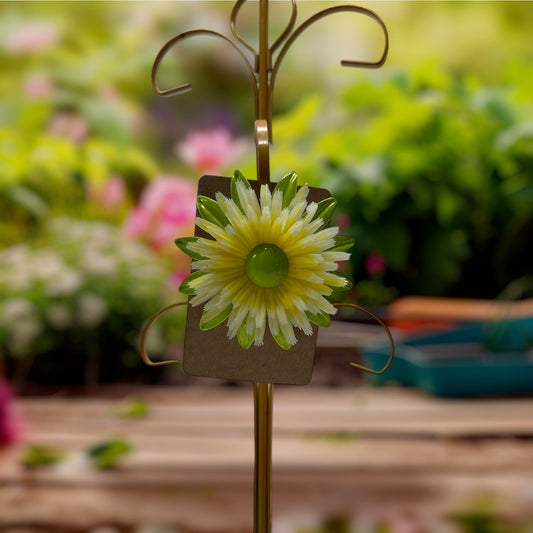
211,354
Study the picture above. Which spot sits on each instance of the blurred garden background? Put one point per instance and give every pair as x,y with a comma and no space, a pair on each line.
430,157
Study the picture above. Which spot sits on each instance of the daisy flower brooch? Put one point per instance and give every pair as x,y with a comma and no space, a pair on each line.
268,264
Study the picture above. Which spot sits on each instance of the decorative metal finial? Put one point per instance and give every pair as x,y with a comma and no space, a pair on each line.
261,64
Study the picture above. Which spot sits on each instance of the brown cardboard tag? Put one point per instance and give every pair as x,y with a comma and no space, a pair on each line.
211,354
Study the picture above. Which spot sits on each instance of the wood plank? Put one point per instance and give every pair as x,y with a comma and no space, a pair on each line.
182,454
227,506
315,411
335,451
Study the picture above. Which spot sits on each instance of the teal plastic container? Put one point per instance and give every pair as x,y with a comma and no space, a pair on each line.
457,363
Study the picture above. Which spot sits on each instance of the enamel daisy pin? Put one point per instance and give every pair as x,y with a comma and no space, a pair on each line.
267,264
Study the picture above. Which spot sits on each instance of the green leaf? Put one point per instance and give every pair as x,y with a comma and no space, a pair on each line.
342,243
325,209
134,408
347,287
29,200
288,185
210,324
282,341
106,455
210,210
320,319
36,456
238,177
183,242
245,339
185,288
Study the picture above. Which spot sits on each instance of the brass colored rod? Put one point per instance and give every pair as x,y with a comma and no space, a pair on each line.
263,60
263,391
263,394
262,118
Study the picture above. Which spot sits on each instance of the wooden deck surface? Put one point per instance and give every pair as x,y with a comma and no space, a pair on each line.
336,451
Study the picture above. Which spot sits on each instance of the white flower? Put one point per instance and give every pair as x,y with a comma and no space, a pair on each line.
16,310
66,284
48,266
96,263
91,310
15,255
271,262
18,279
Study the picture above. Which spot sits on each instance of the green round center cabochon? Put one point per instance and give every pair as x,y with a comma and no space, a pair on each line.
267,265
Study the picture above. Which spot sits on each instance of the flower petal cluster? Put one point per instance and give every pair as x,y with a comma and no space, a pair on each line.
212,150
271,262
166,206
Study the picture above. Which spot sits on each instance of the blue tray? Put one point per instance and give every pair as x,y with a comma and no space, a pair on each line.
457,363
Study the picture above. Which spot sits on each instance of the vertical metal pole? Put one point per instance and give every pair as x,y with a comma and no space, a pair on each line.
262,120
264,62
263,394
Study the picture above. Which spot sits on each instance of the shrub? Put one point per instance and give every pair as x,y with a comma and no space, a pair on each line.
72,310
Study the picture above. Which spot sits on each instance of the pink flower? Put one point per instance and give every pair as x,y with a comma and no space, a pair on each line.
71,126
31,36
10,425
111,194
342,221
210,151
114,191
177,277
37,87
166,210
344,266
375,263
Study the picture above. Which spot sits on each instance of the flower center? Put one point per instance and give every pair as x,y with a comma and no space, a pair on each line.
267,265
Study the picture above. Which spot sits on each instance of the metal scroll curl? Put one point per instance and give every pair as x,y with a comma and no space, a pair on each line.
144,334
155,316
261,65
387,331
186,87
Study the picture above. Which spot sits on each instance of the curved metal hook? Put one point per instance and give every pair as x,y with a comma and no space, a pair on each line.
233,25
284,34
345,62
144,334
187,86
387,331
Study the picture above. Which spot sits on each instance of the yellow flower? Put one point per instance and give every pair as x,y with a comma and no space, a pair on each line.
271,262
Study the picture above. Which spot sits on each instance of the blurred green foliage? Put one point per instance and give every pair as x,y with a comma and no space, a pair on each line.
37,456
484,515
434,171
133,408
108,454
431,159
67,112
75,118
